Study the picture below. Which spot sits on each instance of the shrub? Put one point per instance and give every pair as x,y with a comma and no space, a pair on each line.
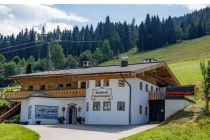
4,104
61,120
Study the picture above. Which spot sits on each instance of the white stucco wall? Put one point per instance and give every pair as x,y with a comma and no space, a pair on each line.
112,117
60,102
174,105
139,97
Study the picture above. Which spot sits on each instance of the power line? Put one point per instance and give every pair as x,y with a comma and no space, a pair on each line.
72,41
23,48
16,45
110,39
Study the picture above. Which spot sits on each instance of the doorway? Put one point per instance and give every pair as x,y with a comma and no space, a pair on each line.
157,110
72,114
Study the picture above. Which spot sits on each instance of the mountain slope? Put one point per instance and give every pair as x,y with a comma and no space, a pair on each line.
183,58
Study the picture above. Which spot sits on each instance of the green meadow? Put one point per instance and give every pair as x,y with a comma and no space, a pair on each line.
183,58
16,132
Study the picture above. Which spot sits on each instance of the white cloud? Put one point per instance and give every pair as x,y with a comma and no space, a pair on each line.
193,7
51,26
13,18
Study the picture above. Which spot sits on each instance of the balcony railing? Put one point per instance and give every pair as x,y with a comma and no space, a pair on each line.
65,93
156,95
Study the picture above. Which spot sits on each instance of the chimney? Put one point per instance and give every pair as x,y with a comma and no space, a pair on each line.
150,60
86,64
124,61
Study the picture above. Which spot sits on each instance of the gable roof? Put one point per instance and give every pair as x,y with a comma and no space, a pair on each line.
131,68
92,70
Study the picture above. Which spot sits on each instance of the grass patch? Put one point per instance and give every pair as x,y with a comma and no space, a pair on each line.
188,124
187,50
183,58
16,132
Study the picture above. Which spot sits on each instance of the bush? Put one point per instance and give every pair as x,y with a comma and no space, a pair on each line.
4,104
15,119
61,120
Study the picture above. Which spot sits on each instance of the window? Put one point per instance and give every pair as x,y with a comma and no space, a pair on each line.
30,88
106,83
121,83
60,86
96,106
83,84
68,85
87,107
146,87
29,112
140,109
146,110
98,83
151,88
141,85
107,106
42,87
121,106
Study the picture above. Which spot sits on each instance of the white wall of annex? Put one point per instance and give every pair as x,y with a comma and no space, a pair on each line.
60,102
174,105
24,110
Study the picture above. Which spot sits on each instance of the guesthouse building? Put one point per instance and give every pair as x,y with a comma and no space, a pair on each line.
111,95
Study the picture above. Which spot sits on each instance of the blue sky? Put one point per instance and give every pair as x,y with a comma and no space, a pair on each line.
98,13
14,18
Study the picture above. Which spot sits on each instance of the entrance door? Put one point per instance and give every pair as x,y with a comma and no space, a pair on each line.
72,115
157,110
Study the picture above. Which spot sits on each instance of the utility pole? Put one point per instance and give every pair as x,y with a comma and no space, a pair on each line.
142,43
48,56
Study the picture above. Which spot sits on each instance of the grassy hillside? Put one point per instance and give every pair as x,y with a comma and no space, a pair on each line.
183,58
188,124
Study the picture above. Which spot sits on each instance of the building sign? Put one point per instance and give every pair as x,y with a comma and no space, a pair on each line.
102,94
184,90
46,112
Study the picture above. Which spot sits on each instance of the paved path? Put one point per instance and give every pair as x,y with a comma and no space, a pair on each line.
87,132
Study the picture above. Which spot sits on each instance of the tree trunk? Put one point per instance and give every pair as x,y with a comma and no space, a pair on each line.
206,103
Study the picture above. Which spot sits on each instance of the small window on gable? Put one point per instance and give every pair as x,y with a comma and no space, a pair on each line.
83,84
157,89
146,111
60,86
120,106
106,83
68,85
146,87
107,106
42,87
151,88
121,83
87,106
141,86
96,106
30,88
97,83
140,109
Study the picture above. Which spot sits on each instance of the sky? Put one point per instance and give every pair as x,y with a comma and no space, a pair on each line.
14,18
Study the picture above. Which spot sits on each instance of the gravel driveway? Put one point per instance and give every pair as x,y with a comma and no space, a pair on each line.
87,132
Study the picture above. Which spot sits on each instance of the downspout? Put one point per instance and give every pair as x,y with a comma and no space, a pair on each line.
129,97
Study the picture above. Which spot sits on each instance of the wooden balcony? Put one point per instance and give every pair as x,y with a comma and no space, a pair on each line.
156,95
63,93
